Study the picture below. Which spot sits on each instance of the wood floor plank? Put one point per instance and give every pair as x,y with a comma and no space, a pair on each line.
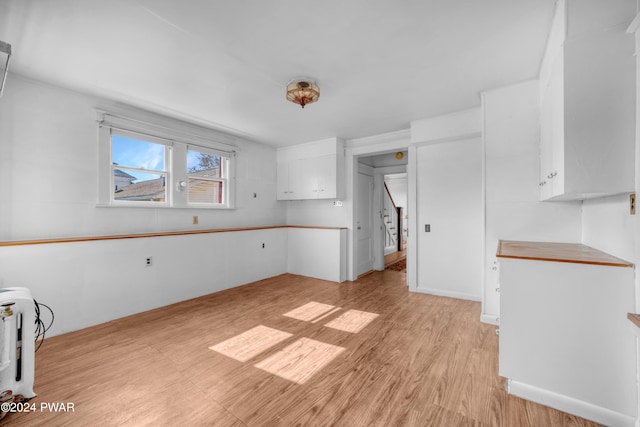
230,359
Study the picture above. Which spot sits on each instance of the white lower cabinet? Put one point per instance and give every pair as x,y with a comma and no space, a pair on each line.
565,341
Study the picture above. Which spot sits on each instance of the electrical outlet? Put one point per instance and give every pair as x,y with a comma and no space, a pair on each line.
632,203
337,203
427,228
195,219
149,261
263,246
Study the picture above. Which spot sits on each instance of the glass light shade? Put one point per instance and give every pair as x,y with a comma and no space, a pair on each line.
303,92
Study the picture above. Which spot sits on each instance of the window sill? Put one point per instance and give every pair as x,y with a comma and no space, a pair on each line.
123,206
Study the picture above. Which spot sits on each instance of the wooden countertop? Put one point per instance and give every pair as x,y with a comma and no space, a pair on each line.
634,318
558,252
155,234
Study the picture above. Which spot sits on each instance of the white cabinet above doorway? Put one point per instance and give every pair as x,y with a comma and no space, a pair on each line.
311,171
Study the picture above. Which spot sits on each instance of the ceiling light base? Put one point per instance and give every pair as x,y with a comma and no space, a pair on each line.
303,91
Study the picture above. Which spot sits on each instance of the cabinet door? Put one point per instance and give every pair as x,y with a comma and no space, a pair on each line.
552,134
546,152
590,96
310,178
282,183
294,181
563,329
301,181
325,172
556,92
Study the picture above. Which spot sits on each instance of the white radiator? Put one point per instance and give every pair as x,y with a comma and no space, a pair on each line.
17,347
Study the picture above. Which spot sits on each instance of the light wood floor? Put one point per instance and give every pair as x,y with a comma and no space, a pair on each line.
393,257
287,351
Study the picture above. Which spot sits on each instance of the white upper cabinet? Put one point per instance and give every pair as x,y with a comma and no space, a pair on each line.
311,171
587,99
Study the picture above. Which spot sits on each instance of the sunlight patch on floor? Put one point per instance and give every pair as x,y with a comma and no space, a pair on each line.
301,360
312,311
250,343
352,321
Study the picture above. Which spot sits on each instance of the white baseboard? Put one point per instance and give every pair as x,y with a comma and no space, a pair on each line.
490,319
441,293
570,405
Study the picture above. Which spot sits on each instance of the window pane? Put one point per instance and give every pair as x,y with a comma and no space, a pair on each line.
203,165
204,191
141,187
136,153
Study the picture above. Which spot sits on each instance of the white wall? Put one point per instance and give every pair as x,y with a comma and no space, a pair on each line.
512,209
86,283
48,161
607,225
320,213
454,126
449,199
634,28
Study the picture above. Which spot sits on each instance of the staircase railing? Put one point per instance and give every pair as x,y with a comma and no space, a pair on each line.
391,220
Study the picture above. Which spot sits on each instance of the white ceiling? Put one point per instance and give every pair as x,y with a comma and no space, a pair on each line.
379,63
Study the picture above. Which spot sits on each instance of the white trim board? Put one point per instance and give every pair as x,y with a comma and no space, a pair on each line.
570,405
490,319
440,293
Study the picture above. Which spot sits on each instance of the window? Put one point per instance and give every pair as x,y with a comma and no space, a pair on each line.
146,165
139,169
207,177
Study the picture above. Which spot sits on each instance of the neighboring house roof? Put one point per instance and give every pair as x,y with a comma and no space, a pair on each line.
121,174
200,191
153,189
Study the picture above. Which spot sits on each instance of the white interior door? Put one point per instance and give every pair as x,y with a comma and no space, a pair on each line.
364,223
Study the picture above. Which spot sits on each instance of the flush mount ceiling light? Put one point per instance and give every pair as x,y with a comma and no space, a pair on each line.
303,91
6,49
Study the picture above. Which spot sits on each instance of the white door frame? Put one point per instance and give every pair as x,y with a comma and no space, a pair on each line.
354,148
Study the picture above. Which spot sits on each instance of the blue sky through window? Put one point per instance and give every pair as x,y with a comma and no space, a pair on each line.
140,154
192,159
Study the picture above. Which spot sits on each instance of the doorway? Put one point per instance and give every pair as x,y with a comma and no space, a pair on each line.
395,220
381,226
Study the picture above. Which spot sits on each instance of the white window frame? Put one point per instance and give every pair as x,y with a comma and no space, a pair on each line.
225,171
168,146
177,143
